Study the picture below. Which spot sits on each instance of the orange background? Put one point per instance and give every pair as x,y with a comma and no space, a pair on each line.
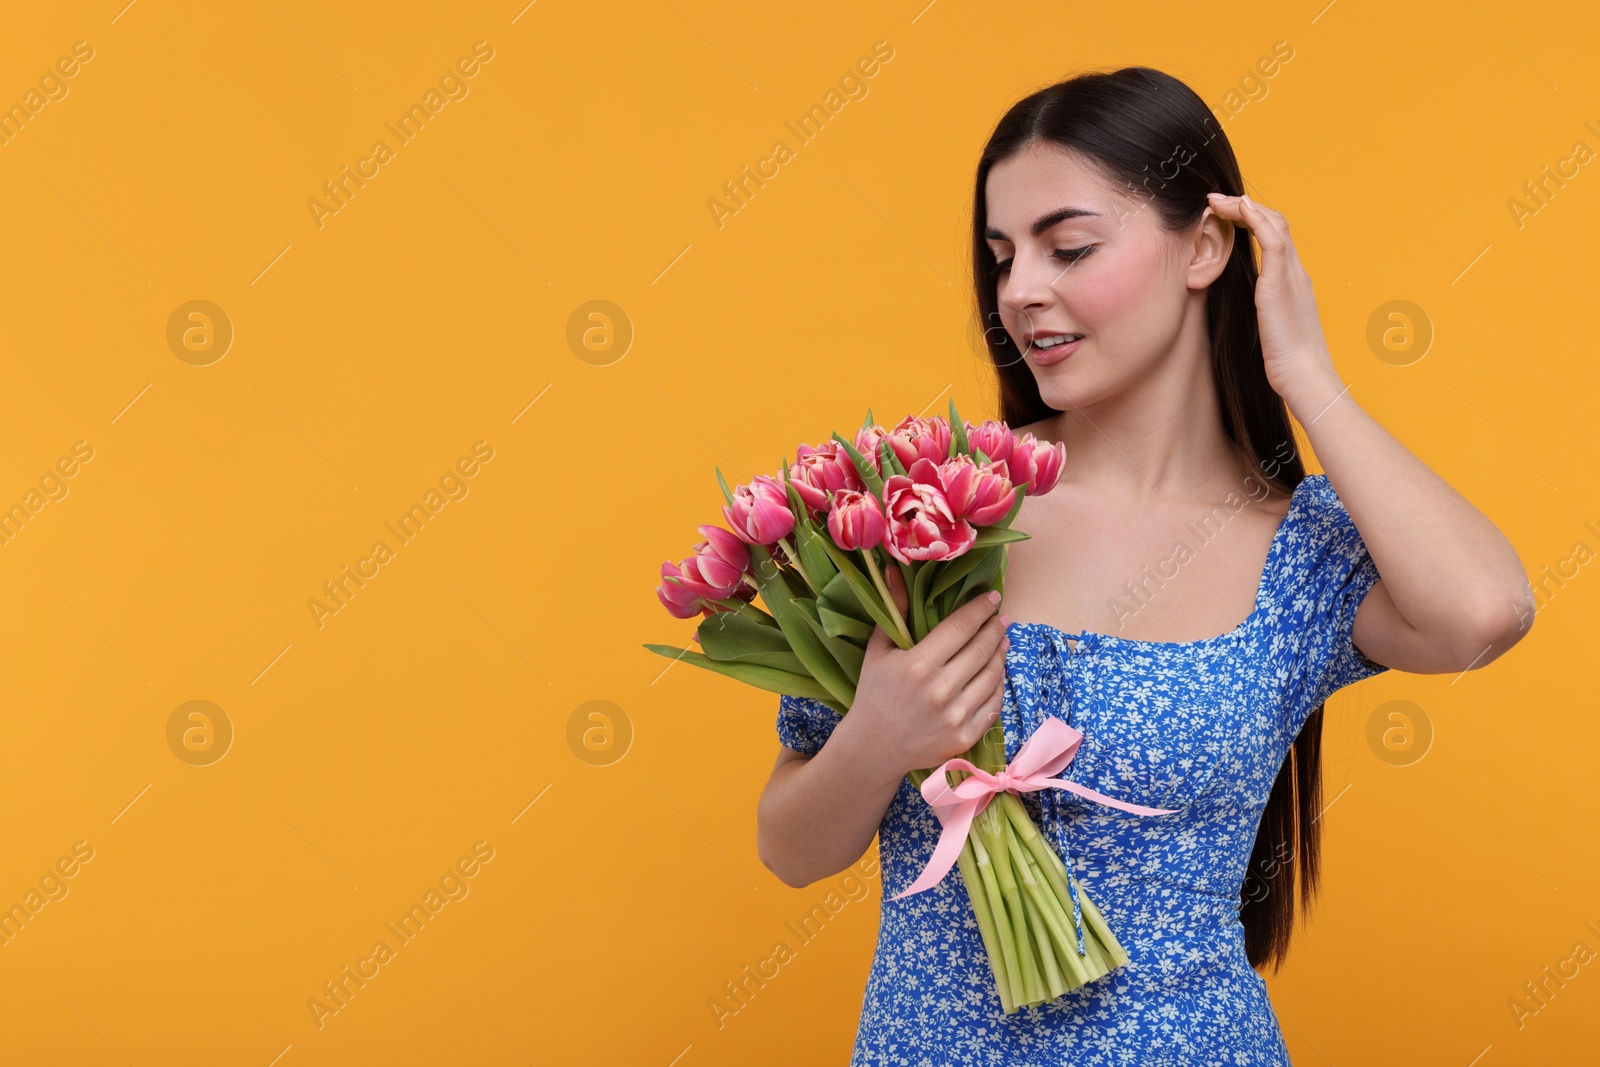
446,703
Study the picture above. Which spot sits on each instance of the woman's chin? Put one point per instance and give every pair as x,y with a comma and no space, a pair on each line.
1066,395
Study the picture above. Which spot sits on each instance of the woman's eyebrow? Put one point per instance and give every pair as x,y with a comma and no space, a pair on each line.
1044,222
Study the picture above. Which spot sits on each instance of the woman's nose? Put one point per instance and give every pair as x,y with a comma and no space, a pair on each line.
1026,286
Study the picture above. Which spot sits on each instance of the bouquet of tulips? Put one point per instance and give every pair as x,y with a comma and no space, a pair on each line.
935,498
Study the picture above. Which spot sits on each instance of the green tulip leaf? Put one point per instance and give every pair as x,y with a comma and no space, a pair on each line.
768,678
779,597
991,536
958,431
838,625
862,586
730,637
848,655
956,569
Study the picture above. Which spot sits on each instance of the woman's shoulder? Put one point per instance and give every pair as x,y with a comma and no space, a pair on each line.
1319,506
1323,533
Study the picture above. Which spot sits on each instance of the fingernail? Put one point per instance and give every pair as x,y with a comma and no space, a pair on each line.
1005,620
994,596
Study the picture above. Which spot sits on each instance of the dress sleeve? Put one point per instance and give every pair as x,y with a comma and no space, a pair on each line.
805,724
1334,574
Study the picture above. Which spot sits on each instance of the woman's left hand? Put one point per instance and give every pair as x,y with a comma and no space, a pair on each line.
1292,344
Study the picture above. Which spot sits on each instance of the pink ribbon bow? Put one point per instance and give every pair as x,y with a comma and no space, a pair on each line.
1042,756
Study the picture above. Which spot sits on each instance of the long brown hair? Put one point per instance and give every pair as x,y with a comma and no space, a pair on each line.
1150,133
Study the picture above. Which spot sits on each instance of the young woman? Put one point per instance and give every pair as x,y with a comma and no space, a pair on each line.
1189,598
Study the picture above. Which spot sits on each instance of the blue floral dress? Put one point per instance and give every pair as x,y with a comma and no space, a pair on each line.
1200,726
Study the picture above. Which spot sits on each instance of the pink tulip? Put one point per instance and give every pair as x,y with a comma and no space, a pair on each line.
867,441
819,472
994,439
759,514
1037,464
716,570
981,495
916,439
679,601
921,525
856,520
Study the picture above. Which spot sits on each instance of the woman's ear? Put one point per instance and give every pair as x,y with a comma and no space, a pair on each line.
1211,250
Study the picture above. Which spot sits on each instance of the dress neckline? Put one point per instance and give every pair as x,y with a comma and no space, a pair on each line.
1263,588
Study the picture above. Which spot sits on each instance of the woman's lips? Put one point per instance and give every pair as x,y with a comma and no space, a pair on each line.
1043,357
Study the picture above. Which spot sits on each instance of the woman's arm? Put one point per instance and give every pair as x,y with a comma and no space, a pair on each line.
1454,595
818,814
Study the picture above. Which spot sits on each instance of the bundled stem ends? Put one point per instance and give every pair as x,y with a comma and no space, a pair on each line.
1040,931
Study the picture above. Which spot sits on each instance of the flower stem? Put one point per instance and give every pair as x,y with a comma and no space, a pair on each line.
1055,875
1116,955
1054,983
976,891
989,826
1004,927
1102,951
1058,925
888,601
794,561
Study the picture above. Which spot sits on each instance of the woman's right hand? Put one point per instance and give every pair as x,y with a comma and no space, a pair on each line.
918,707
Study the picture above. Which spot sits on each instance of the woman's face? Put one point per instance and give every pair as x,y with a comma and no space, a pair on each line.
1100,266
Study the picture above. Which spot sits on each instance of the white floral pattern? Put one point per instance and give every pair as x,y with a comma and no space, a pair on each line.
1200,726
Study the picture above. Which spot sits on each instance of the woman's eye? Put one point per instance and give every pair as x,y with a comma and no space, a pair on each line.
1067,255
